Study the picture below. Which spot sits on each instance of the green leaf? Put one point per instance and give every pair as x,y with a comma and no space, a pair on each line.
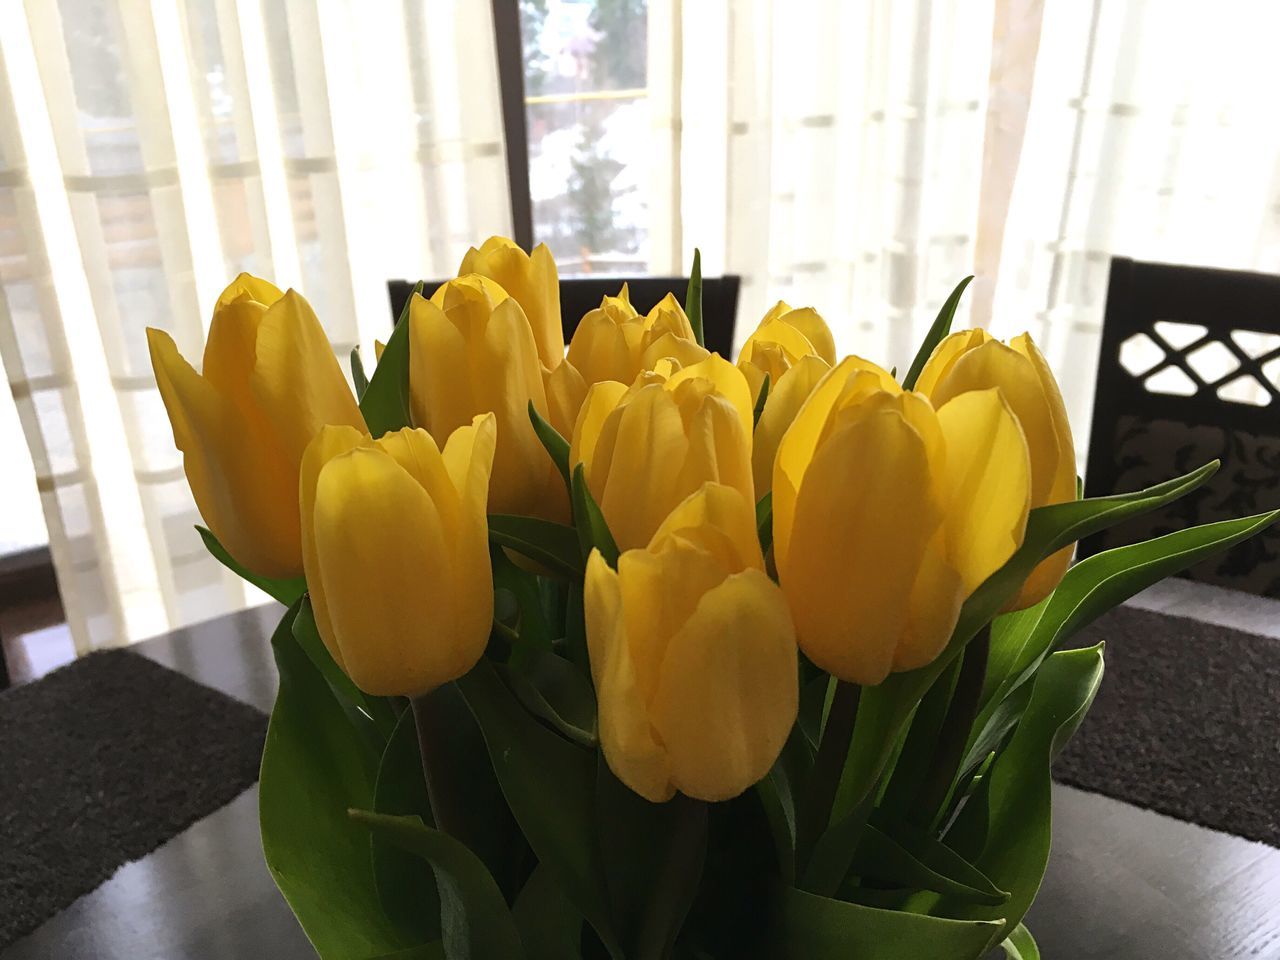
548,783
315,766
554,690
358,376
406,886
1099,583
777,793
556,446
372,716
553,545
653,855
593,531
535,632
1007,837
922,862
385,402
693,299
550,927
761,400
286,591
474,919
819,928
764,521
937,333
425,951
1020,945
884,710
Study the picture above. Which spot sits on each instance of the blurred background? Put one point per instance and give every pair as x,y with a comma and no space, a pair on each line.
859,157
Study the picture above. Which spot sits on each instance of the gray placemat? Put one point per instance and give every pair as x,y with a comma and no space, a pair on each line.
1187,723
103,761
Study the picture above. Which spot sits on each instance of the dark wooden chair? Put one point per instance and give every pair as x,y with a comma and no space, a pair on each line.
580,295
1188,372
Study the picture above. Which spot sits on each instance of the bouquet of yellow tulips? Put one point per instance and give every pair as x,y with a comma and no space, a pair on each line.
629,651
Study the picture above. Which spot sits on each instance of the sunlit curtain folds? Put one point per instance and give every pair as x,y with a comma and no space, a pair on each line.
148,153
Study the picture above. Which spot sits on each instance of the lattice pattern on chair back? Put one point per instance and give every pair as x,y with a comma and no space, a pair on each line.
1189,371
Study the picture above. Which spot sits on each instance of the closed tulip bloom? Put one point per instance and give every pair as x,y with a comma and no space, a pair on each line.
693,654
472,351
529,279
783,338
397,553
888,514
269,382
649,446
613,342
973,360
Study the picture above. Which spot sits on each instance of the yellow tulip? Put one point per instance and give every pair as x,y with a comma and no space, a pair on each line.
649,446
270,381
888,514
693,654
532,281
472,351
972,360
786,396
397,556
613,342
783,338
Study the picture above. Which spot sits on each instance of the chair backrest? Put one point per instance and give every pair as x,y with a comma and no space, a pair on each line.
580,295
1188,372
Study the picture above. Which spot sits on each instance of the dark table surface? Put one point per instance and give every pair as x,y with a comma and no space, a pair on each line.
1122,882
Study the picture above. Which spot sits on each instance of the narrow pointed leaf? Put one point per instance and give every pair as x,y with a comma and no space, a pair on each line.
937,333
554,545
761,401
358,376
693,299
593,531
557,447
385,402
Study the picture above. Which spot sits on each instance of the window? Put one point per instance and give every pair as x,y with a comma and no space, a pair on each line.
587,112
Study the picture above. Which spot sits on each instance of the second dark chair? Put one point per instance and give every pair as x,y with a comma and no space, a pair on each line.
1188,372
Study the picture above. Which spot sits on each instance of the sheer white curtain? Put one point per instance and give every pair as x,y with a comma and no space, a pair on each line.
864,156
149,152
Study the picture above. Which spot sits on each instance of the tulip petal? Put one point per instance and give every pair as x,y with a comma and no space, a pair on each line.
626,736
246,285
720,520
729,383
1063,486
601,400
864,519
852,377
810,323
245,490
296,377
566,392
468,457
995,365
440,392
416,452
944,356
729,689
785,399
936,598
330,442
230,351
988,480
405,622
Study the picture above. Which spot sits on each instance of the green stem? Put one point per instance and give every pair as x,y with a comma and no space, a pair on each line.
828,765
682,871
448,805
954,734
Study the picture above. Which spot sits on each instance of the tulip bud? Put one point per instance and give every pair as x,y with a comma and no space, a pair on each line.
888,514
648,447
471,351
397,553
613,342
529,279
972,360
270,381
693,654
783,338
